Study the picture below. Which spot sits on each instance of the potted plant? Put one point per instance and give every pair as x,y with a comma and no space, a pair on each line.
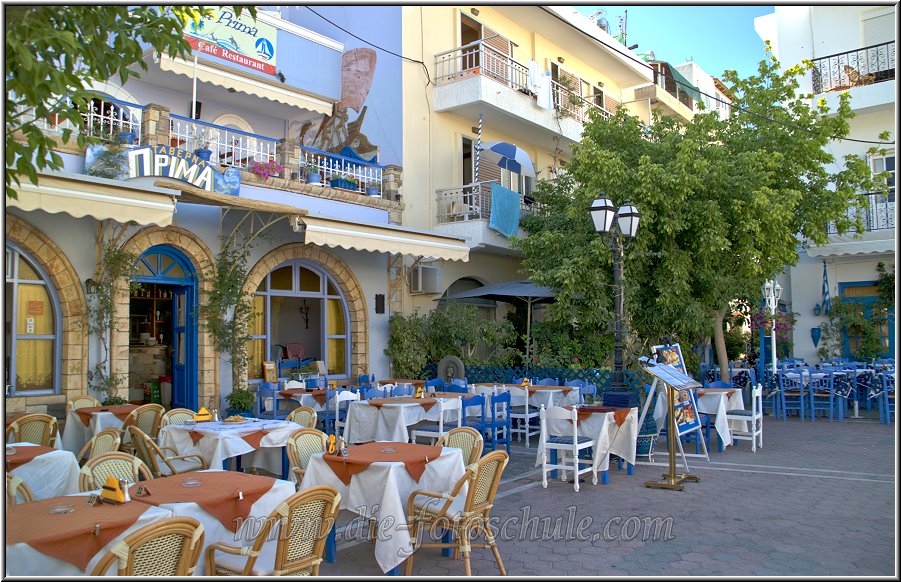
373,188
346,182
202,143
239,401
127,137
266,169
312,174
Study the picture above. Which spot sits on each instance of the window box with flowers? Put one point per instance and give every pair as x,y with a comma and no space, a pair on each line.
266,169
345,182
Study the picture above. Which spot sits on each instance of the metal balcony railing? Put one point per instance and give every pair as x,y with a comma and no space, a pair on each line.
230,147
880,215
479,58
472,202
106,119
341,172
872,64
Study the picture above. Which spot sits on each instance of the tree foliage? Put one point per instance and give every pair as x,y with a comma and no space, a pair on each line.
54,52
722,204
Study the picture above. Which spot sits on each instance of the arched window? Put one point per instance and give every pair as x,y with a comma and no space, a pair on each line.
298,308
33,327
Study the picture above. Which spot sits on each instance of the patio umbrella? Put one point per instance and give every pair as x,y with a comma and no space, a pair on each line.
508,156
524,292
827,300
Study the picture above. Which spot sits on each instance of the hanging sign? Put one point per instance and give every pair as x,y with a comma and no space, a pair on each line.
240,40
171,162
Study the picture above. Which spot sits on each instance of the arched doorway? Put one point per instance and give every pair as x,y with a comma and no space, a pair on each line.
163,322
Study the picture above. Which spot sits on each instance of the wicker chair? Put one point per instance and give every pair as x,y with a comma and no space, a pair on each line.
120,465
462,519
147,418
81,401
176,416
308,515
149,452
170,547
40,429
465,438
105,441
303,444
16,488
304,416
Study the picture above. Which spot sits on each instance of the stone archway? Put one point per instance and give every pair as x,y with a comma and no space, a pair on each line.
73,307
203,261
346,280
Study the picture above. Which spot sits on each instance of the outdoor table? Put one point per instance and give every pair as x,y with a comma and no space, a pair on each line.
41,543
387,419
403,382
214,502
715,401
546,396
315,399
380,490
83,423
48,472
219,441
615,432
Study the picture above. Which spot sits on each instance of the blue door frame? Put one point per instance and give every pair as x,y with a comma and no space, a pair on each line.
183,334
867,303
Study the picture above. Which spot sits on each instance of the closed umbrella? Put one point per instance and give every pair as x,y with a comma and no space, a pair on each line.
827,300
508,156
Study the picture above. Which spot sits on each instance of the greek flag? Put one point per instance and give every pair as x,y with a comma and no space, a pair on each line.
827,300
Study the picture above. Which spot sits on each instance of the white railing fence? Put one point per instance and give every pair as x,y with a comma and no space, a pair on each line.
472,202
105,119
339,171
229,146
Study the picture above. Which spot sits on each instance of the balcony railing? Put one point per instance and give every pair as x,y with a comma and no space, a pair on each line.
230,147
471,202
880,215
479,58
106,118
336,169
873,64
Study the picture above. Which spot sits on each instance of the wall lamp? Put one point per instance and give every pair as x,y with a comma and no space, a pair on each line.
280,76
475,11
560,60
817,309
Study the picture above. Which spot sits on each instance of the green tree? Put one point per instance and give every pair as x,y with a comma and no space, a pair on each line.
722,203
54,52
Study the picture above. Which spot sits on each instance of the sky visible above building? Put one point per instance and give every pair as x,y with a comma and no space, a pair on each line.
715,37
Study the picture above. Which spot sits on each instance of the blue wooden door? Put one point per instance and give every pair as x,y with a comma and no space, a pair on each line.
184,394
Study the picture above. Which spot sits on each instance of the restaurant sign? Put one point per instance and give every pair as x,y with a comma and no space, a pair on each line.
240,40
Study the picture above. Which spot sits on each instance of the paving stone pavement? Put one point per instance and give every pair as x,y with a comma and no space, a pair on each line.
817,500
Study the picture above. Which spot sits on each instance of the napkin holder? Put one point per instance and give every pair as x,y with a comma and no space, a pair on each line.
203,415
112,492
331,444
526,383
419,392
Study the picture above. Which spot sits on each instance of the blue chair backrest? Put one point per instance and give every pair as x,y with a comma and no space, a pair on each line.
368,393
718,384
477,402
458,382
402,390
455,388
366,380
502,399
438,383
577,382
548,382
823,383
518,380
587,390
888,382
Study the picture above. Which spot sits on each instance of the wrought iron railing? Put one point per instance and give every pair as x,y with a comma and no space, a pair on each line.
880,214
105,119
229,146
479,58
472,202
872,64
339,171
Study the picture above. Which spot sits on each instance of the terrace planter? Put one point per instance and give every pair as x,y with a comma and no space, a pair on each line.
314,178
342,183
373,191
128,138
203,153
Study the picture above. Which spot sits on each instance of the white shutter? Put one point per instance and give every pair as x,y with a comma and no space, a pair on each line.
878,29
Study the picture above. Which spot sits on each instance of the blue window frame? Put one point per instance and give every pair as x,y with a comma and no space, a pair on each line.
866,294
33,349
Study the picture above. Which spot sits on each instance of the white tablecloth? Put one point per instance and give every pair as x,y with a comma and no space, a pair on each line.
712,402
222,441
76,434
381,492
49,475
546,398
389,422
23,560
215,531
601,427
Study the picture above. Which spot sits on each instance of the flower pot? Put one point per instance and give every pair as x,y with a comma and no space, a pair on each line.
127,137
342,183
203,153
373,191
314,178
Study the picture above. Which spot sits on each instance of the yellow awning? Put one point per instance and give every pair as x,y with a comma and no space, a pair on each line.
97,197
230,80
381,238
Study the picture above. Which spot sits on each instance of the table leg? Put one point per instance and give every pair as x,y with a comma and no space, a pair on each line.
393,572
331,547
285,463
630,469
554,462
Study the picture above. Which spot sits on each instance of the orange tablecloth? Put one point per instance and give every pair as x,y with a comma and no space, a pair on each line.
426,403
69,536
120,410
217,494
25,454
413,456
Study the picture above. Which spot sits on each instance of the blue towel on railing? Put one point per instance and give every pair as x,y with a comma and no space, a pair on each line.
505,210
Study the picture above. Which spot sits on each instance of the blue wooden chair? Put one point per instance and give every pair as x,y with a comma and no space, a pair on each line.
366,380
792,392
474,412
270,391
588,393
497,421
822,396
437,385
459,383
405,390
887,399
368,393
548,382
336,415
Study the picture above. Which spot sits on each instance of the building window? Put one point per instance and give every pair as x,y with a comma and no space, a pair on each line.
864,297
516,182
300,304
33,327
881,164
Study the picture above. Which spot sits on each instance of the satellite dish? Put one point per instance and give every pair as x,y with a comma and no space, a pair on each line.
603,24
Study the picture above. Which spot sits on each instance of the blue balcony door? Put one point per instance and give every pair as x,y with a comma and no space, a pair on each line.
169,269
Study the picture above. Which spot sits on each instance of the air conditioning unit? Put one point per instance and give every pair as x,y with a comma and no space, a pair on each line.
424,279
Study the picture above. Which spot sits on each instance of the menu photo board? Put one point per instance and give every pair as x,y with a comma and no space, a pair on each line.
685,412
269,372
672,355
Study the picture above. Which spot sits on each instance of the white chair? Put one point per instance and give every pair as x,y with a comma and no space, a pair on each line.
521,415
568,446
754,417
343,396
434,431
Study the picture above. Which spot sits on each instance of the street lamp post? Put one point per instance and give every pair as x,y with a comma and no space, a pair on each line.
772,292
627,217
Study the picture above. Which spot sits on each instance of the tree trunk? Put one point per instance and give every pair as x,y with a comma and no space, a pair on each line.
719,340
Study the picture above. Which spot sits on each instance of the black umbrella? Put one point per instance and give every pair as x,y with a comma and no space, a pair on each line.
525,292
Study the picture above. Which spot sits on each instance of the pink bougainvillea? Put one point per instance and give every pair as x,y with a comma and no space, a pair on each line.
266,169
